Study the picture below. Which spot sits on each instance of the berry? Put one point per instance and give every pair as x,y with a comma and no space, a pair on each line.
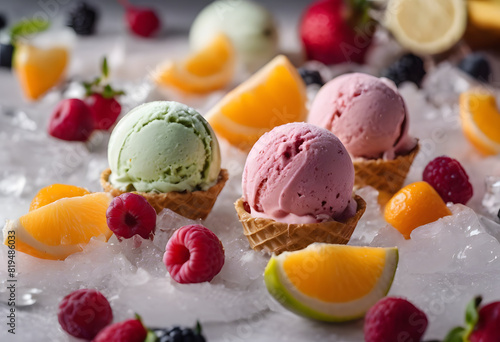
488,327
476,65
335,31
83,313
131,330
105,111
311,76
393,320
449,179
131,214
71,121
194,254
176,334
142,21
3,21
408,68
83,19
6,52
101,99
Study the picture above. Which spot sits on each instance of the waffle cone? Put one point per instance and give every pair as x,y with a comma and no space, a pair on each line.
277,237
193,205
387,176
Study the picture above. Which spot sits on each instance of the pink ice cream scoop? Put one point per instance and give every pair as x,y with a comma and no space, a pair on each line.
299,173
366,113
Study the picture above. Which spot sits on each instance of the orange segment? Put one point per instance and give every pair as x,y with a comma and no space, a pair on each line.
480,119
38,69
207,70
332,274
61,228
55,192
413,206
274,96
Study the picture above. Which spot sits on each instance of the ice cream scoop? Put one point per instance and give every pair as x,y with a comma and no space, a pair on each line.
366,113
250,27
163,146
299,173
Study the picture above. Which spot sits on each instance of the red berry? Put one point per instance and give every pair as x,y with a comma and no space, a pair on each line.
449,179
142,21
104,111
331,37
83,313
194,254
71,120
131,330
488,327
130,214
393,320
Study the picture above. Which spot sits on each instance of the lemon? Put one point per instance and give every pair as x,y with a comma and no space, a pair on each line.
332,283
427,26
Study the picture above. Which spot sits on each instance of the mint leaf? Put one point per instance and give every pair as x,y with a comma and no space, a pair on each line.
27,27
455,335
104,68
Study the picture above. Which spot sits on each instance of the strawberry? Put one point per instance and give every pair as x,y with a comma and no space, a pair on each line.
482,324
337,31
142,21
101,100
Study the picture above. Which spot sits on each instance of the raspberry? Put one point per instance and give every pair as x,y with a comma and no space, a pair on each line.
131,330
71,121
450,180
83,313
488,326
130,214
194,254
393,320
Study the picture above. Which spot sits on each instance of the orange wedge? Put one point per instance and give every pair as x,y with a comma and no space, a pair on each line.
39,69
274,96
206,70
55,192
480,119
61,228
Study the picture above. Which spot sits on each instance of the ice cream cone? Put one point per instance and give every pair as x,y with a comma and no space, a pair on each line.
193,205
277,237
387,176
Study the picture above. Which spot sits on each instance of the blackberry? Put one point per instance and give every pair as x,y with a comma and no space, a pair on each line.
311,76
83,19
476,65
408,68
177,334
3,21
6,51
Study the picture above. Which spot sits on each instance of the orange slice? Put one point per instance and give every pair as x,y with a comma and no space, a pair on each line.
55,192
39,69
206,70
329,282
413,206
61,228
480,119
274,96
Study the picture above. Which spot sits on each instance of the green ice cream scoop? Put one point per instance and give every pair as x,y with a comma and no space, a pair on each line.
163,146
